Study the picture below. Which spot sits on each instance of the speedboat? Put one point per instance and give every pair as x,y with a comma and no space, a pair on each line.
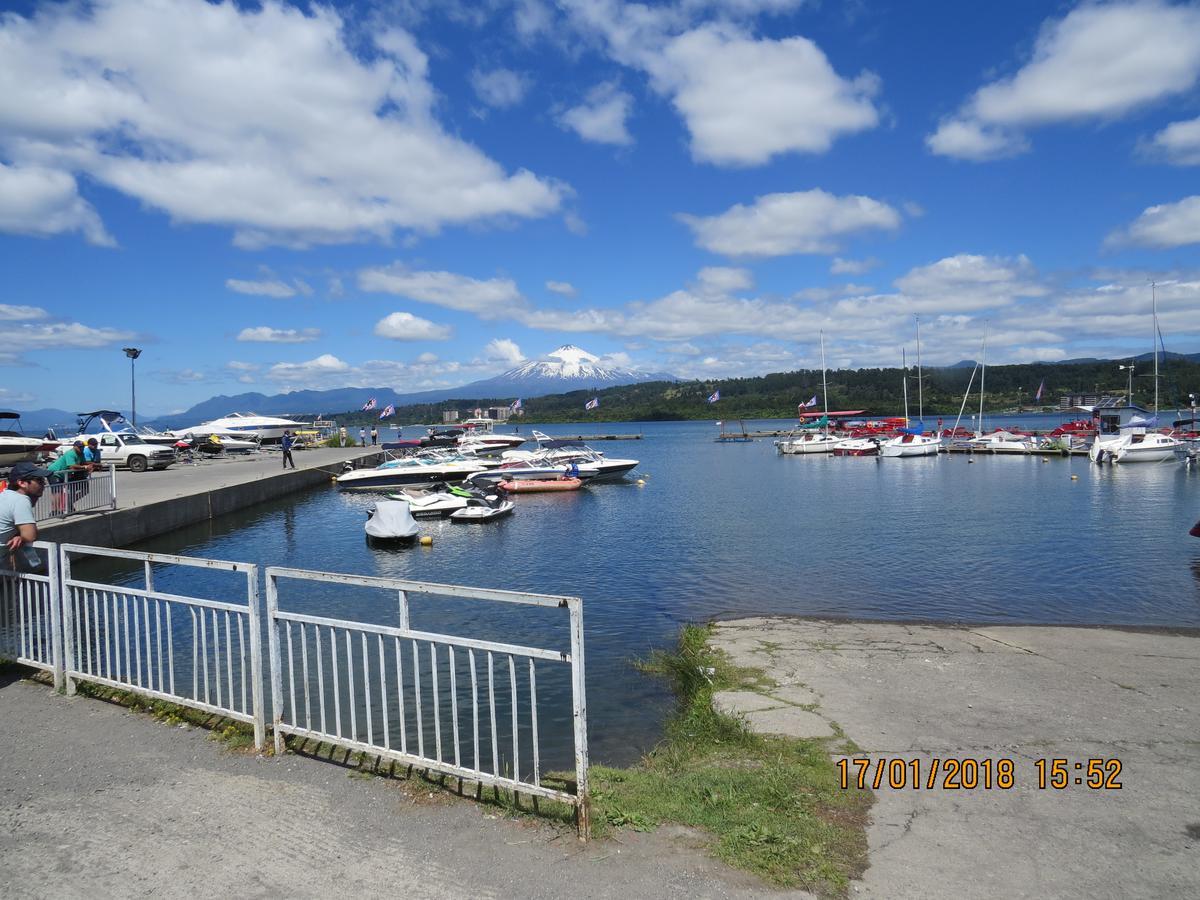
248,426
561,452
857,446
1001,441
411,470
478,433
15,447
390,520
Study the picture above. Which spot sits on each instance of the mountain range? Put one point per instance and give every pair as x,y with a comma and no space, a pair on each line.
568,368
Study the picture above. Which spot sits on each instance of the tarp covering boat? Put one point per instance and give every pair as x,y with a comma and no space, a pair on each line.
391,520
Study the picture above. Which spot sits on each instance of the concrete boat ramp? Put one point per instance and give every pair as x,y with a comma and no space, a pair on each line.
155,502
921,692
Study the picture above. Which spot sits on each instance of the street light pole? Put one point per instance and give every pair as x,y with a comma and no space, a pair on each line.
133,353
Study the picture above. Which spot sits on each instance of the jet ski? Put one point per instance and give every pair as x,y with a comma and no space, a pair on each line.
439,499
483,505
390,520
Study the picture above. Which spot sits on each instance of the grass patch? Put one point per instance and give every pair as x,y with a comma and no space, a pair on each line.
234,735
772,805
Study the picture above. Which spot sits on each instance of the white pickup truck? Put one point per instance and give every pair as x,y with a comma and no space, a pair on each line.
126,450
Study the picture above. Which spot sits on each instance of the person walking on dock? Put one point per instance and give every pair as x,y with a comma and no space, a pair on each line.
362,436
286,443
374,436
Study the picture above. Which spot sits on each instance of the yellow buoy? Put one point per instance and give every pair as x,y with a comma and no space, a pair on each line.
426,541
1074,477
641,482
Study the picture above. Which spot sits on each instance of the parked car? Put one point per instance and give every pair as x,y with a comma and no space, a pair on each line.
126,449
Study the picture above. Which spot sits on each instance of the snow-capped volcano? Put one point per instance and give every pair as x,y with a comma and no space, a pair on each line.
569,368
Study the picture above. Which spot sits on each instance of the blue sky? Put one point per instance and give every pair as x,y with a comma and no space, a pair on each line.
420,194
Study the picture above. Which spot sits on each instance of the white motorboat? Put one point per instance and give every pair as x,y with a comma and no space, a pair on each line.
15,447
248,426
411,470
863,446
390,520
478,435
1001,441
1145,447
561,452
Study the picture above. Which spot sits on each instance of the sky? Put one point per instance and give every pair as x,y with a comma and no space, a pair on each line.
421,193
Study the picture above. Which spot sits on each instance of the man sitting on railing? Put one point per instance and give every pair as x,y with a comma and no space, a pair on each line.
18,527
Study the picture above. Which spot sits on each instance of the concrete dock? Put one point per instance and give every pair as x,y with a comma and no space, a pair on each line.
155,502
922,692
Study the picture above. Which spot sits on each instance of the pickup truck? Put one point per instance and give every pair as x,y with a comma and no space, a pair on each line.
125,449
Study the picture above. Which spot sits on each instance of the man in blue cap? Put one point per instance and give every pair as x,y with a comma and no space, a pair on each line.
18,526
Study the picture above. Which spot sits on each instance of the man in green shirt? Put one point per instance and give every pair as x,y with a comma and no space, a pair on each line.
70,466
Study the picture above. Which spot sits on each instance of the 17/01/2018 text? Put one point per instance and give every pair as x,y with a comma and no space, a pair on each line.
968,774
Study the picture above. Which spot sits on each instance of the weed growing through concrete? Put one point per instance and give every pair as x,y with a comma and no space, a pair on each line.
772,805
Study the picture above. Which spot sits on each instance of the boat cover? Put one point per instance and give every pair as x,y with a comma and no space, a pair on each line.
391,519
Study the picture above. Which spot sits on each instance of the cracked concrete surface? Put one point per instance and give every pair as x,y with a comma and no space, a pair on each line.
916,692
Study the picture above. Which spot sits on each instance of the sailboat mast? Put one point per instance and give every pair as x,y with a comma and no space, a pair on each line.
1154,320
904,360
920,386
824,385
982,378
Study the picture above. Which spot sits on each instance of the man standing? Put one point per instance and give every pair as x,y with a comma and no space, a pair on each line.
362,437
374,436
69,467
91,454
286,443
342,436
18,527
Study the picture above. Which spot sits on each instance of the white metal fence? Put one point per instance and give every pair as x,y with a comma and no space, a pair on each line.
97,491
205,654
462,706
30,632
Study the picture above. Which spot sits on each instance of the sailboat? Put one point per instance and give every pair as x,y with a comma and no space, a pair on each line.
818,440
1135,443
913,441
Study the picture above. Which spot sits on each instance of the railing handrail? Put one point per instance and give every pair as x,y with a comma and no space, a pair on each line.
426,587
445,640
171,558
156,595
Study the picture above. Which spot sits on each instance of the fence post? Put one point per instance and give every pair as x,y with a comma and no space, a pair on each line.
62,575
403,610
276,665
579,709
260,736
112,480
58,615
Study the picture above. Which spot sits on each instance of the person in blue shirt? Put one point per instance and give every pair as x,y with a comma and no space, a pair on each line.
286,444
91,454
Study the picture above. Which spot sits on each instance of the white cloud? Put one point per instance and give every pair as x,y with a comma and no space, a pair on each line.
180,376
841,266
744,99
266,288
402,326
493,298
261,119
1164,226
10,313
500,88
62,335
1101,61
243,372
314,371
504,351
780,224
1178,143
266,335
723,280
41,201
562,288
601,117
14,398
427,359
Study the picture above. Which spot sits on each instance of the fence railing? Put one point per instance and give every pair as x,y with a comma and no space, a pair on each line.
462,706
30,632
205,654
96,492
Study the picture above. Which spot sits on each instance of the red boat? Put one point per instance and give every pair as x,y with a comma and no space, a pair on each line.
1080,427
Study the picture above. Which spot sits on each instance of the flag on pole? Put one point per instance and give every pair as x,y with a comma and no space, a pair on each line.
516,404
1038,396
369,405
714,397
388,410
811,403
592,404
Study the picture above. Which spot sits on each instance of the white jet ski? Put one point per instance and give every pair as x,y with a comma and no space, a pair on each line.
390,520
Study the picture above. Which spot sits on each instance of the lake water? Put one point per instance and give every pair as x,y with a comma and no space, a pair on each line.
723,530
